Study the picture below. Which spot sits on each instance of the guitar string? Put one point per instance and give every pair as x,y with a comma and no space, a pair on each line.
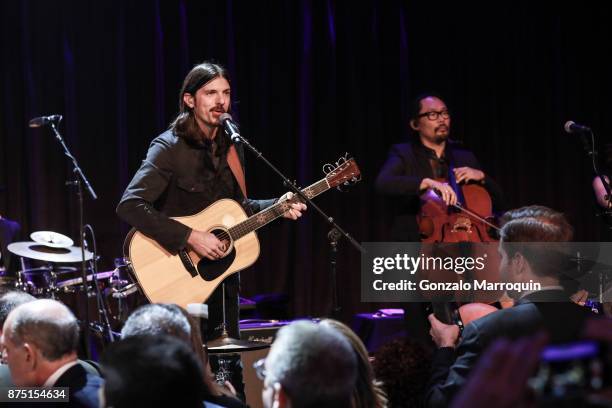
269,214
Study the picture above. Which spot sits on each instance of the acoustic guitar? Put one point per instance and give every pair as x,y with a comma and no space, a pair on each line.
186,277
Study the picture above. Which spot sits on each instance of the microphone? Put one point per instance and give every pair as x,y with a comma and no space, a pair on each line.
573,127
44,120
230,127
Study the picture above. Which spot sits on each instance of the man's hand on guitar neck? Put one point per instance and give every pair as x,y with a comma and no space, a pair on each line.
296,209
206,244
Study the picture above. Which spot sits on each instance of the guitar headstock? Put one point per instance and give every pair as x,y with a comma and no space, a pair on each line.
343,173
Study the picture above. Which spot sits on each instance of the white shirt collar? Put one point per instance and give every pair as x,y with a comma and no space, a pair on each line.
58,373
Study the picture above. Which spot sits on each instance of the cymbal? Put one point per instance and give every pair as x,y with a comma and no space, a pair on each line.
34,250
51,239
230,345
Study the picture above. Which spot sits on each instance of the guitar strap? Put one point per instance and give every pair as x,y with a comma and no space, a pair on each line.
234,163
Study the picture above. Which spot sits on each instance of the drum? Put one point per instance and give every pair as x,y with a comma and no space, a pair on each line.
119,292
41,281
125,294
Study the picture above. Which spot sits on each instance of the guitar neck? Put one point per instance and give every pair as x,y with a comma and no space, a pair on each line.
268,215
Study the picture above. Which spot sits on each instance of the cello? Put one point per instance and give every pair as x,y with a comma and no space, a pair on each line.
467,221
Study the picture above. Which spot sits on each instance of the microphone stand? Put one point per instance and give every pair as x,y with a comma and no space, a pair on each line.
333,235
78,182
237,138
101,303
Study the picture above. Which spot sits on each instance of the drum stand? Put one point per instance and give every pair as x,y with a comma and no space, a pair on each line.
223,374
21,280
102,306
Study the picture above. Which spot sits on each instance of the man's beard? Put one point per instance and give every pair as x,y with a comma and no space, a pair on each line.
440,138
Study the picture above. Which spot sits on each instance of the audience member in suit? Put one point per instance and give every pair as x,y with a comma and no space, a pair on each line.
40,341
547,309
151,371
9,300
308,365
171,320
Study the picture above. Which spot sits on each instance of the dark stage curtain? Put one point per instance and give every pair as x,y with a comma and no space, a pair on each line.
311,80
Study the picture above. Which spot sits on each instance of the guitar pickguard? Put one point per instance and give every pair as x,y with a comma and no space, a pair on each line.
211,270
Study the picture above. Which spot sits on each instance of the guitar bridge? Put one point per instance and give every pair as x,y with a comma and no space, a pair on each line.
188,263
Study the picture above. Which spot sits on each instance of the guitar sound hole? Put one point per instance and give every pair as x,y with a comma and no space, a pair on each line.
223,236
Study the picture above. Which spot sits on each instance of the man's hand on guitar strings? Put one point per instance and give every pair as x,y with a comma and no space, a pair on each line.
206,245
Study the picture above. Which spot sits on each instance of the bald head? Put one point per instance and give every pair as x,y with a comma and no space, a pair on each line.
45,323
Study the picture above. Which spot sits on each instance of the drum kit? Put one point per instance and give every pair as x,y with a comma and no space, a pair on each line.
47,270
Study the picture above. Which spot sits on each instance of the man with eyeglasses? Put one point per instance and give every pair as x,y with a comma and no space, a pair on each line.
431,161
309,365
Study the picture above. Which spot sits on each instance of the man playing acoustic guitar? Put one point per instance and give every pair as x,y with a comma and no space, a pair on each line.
187,168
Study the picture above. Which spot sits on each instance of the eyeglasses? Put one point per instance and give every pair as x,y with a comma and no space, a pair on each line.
260,368
434,115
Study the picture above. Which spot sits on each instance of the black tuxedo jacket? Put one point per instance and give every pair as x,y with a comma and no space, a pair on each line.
542,310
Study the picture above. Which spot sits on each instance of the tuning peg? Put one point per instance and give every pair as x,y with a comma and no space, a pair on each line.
328,168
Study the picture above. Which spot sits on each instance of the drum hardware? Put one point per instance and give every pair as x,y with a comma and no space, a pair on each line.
103,307
228,345
50,281
78,281
46,272
80,182
125,291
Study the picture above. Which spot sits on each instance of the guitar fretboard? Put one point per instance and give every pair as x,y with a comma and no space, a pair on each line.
277,210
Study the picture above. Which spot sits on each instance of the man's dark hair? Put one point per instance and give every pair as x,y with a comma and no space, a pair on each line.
403,368
9,300
154,319
185,125
417,103
152,371
531,231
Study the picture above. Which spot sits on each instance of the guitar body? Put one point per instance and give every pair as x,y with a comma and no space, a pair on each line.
164,278
185,277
